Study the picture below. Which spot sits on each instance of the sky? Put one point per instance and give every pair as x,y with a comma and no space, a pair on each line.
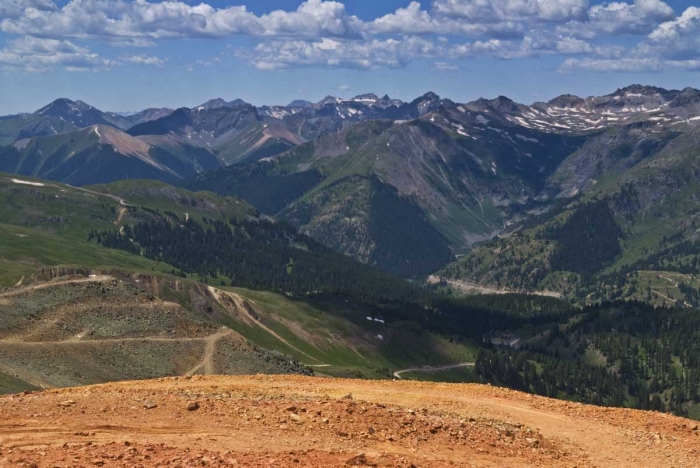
128,55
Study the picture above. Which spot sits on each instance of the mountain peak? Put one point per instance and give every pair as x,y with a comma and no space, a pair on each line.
369,98
688,96
431,96
59,105
637,89
328,100
566,101
300,103
219,102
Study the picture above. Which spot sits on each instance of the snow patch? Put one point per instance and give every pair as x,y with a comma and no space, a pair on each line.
524,138
26,182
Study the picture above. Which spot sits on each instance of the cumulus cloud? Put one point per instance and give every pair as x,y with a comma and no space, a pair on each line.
332,53
16,8
495,11
678,39
321,33
119,19
414,20
533,45
618,18
30,54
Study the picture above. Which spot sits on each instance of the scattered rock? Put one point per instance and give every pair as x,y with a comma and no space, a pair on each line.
532,442
67,403
359,460
192,406
149,404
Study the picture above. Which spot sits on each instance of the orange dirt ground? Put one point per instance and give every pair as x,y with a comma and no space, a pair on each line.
291,421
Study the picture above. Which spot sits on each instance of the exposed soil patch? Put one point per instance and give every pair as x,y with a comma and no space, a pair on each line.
269,421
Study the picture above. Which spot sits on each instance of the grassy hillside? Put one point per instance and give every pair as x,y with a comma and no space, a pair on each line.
46,224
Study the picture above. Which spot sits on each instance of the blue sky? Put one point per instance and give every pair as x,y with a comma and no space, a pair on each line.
125,55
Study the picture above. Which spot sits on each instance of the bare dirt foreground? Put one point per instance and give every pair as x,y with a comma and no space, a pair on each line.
292,421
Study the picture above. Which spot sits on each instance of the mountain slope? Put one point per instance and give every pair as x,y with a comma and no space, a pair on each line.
60,116
232,131
644,175
44,239
79,330
147,115
103,154
479,169
325,309
465,174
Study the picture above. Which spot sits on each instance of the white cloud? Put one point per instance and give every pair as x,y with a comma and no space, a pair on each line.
143,59
533,45
678,39
444,66
332,53
30,54
693,65
612,65
16,8
685,25
130,20
495,11
344,87
397,53
321,33
414,20
618,18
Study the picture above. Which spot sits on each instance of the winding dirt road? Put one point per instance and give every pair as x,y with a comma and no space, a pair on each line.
430,369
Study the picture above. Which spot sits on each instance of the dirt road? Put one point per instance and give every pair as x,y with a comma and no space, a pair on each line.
51,284
468,287
265,421
430,369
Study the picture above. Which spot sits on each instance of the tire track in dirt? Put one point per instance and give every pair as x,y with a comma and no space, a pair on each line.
207,363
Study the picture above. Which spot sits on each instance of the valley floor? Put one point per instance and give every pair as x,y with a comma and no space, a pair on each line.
271,421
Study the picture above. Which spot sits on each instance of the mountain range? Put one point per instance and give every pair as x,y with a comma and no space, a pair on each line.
405,186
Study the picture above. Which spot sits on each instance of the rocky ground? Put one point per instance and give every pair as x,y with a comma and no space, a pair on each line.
294,421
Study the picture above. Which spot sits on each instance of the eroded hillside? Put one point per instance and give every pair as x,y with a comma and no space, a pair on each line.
82,329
